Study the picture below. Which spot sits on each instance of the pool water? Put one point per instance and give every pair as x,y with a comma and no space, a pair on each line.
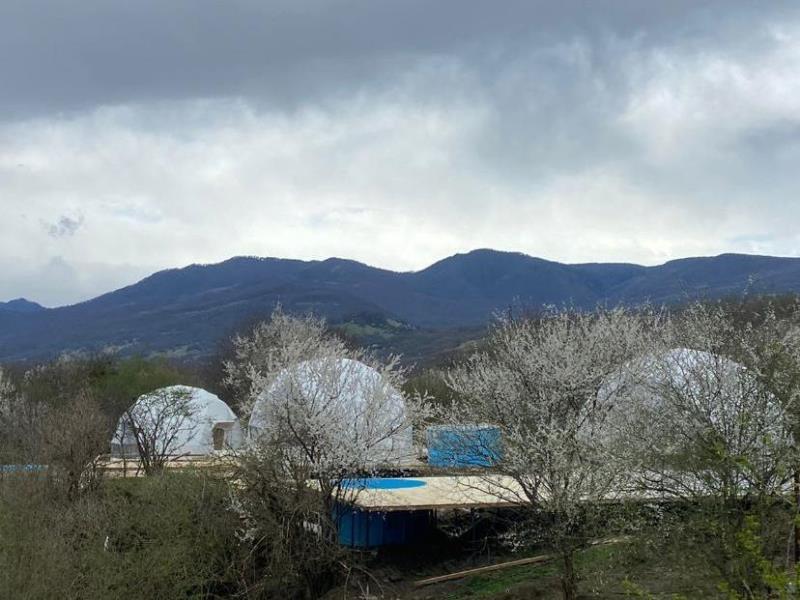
382,483
21,468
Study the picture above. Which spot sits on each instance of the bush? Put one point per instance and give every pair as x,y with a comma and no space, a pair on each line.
162,537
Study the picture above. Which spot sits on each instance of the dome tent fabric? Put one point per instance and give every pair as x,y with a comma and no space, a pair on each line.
691,374
666,396
356,416
201,425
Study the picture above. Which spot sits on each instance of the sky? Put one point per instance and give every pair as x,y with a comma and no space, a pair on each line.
137,136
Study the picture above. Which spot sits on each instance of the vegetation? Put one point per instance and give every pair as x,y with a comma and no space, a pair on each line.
161,537
672,434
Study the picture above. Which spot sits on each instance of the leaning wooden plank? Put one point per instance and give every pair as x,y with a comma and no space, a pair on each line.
506,565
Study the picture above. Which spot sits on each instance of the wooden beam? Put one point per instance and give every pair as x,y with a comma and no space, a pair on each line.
506,565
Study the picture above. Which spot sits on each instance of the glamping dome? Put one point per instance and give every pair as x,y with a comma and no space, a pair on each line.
352,412
680,371
179,420
705,389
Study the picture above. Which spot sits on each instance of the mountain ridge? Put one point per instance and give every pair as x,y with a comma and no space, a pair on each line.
186,311
21,305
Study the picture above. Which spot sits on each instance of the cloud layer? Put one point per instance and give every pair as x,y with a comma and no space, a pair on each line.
144,136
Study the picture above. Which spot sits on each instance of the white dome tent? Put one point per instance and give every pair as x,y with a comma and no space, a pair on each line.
357,417
182,420
664,401
698,378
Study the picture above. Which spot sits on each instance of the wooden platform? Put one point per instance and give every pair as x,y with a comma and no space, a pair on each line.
439,492
460,491
130,467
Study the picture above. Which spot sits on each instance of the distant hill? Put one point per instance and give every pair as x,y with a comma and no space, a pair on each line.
21,305
186,312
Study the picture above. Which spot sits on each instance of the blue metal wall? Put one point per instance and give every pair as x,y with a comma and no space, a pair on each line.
362,529
464,445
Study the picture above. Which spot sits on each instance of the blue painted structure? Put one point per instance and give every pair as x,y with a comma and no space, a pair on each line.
365,529
464,445
22,468
359,528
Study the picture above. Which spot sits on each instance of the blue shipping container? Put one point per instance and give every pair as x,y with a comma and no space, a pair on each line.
362,529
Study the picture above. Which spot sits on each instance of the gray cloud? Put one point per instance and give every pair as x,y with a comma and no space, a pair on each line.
64,227
60,56
392,132
58,281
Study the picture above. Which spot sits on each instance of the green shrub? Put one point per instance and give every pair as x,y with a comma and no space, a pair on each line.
162,537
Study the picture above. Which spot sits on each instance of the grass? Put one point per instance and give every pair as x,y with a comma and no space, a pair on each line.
606,572
502,582
537,578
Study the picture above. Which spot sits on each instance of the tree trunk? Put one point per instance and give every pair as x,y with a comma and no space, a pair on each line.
569,584
797,517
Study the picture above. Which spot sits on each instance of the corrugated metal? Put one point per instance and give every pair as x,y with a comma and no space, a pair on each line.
362,529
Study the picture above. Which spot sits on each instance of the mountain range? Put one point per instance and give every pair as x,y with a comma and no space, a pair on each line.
187,312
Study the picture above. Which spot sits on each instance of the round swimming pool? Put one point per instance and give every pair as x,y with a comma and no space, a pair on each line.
382,483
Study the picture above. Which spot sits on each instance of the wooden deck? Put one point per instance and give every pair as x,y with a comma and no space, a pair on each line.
439,492
130,467
446,492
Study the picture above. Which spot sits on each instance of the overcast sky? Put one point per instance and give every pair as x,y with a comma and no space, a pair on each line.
141,135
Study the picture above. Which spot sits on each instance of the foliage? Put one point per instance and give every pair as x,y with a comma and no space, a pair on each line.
697,427
538,382
431,383
74,435
156,423
320,412
289,525
48,415
165,537
125,380
764,579
338,409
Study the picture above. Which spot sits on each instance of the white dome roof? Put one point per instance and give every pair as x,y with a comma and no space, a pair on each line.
360,416
680,369
193,434
710,387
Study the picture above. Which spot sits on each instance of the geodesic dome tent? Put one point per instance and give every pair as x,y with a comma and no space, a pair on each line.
182,420
667,394
693,374
354,415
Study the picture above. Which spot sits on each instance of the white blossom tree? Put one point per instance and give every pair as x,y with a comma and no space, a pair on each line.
321,416
338,408
697,421
774,356
273,345
156,425
338,413
538,381
21,420
702,422
8,406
